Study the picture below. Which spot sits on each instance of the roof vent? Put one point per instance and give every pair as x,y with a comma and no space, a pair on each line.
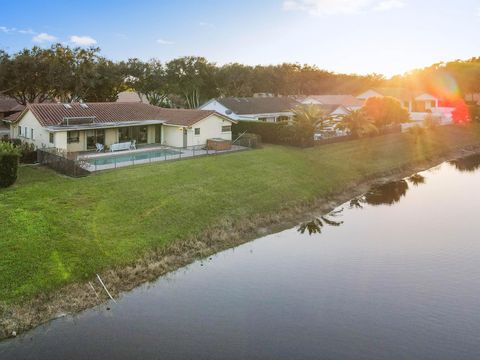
83,105
67,106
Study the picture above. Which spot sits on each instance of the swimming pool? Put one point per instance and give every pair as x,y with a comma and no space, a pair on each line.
132,157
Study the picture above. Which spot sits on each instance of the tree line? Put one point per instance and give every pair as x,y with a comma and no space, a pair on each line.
62,73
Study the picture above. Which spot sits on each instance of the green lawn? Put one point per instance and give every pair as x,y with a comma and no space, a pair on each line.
56,230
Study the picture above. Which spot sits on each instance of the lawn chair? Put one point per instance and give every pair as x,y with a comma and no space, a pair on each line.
133,145
99,147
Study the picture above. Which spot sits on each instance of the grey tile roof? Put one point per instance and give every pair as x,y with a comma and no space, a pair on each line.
258,105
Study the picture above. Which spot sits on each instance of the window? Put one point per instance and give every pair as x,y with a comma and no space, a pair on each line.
262,119
226,128
31,134
73,137
51,138
20,131
137,133
197,131
95,137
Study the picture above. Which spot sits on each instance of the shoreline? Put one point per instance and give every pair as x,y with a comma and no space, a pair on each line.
77,297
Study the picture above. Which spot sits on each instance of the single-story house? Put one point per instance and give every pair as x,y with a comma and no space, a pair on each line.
132,96
8,108
418,103
79,127
268,109
334,105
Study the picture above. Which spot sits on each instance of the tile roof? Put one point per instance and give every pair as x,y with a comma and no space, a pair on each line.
49,114
7,104
345,100
258,105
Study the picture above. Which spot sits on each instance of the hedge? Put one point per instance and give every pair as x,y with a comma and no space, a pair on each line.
9,159
275,133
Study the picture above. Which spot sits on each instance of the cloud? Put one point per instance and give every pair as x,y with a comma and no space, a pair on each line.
164,42
389,4
333,7
44,38
7,30
82,40
27,31
206,24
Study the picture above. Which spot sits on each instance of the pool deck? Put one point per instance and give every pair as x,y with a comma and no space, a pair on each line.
180,153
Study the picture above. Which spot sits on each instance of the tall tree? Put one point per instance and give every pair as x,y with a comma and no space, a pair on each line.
383,111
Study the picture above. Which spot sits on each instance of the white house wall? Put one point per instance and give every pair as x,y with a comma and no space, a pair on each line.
40,134
368,94
210,127
220,108
172,136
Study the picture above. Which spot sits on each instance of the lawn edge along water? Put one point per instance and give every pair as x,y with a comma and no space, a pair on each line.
134,224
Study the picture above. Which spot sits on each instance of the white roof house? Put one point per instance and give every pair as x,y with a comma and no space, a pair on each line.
269,109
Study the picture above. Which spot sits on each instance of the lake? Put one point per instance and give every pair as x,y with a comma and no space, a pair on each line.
393,274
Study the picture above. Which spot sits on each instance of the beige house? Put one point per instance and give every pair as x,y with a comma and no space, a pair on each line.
80,127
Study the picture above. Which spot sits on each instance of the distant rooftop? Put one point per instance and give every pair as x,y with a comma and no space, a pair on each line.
258,105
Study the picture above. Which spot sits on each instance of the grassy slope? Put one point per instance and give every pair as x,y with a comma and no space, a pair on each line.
56,230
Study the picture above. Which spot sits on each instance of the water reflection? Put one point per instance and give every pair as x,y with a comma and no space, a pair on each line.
417,179
315,226
385,194
467,164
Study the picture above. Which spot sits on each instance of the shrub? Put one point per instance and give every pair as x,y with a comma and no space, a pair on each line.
9,159
416,131
474,113
431,122
28,154
275,133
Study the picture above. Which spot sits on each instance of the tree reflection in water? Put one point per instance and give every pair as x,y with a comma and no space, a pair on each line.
385,194
315,226
417,179
467,164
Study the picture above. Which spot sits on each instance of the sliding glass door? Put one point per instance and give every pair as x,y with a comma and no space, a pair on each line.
137,133
95,137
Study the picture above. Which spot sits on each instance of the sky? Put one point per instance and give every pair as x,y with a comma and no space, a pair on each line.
347,36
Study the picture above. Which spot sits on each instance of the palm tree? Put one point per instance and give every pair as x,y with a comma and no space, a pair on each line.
357,124
310,117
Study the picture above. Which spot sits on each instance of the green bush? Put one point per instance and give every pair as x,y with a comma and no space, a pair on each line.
9,159
275,133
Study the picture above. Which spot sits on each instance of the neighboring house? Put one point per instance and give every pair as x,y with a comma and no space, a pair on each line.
473,98
334,104
79,127
8,107
418,103
132,96
268,109
4,130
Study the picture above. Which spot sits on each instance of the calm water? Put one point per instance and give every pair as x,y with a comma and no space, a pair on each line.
394,275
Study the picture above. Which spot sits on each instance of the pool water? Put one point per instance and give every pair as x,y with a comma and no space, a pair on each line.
118,158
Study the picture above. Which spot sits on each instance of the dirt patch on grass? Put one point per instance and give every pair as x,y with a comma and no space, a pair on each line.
226,234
